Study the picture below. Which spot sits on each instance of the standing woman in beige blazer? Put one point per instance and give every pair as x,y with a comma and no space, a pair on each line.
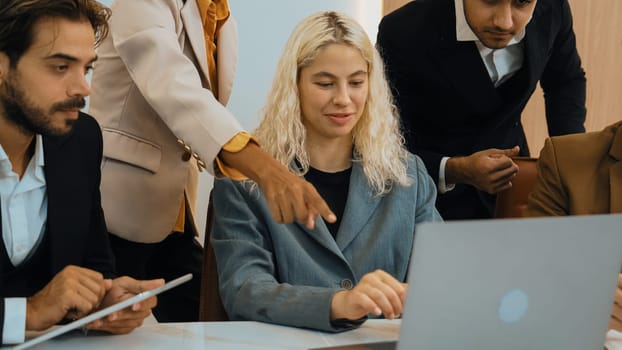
160,100
580,175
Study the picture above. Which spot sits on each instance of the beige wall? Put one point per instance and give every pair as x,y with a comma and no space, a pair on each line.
598,27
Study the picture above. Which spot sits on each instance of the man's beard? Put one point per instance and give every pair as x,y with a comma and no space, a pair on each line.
30,118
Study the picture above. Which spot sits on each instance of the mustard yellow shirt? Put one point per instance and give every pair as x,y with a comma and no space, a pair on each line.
213,14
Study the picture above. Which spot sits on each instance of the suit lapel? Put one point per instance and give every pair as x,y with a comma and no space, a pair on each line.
66,207
322,235
359,207
615,189
615,173
4,256
194,30
227,58
463,66
536,43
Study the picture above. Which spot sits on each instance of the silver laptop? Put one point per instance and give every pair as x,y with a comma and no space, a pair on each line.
545,283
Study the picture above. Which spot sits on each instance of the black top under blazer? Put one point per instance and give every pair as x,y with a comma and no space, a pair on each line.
450,107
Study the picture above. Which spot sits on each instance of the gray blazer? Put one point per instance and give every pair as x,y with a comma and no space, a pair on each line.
287,274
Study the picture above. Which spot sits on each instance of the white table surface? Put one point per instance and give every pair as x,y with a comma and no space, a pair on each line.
237,336
223,336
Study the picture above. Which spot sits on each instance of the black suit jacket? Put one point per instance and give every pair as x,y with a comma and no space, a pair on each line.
75,225
450,107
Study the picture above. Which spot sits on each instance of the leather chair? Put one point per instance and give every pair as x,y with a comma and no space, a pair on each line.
512,202
210,307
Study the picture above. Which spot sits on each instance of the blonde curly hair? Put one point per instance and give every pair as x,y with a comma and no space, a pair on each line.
378,144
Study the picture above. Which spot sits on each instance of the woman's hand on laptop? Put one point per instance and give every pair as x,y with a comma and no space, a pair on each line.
126,320
616,314
377,293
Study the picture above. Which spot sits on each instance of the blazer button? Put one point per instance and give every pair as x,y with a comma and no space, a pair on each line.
346,284
186,156
201,165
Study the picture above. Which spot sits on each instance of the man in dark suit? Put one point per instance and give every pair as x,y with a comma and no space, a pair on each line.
55,258
462,72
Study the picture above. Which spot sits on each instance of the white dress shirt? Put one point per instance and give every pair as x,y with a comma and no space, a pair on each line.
24,212
501,65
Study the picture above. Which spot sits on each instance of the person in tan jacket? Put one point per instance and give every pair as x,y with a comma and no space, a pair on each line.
580,175
160,99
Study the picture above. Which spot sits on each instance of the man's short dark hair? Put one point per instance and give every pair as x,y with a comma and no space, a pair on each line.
17,18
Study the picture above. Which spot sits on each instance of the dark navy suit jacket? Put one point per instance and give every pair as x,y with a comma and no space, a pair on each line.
450,107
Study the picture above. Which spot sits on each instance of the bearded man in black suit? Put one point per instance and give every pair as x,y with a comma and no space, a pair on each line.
55,258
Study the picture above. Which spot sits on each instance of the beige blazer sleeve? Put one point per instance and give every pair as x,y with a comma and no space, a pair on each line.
145,36
151,95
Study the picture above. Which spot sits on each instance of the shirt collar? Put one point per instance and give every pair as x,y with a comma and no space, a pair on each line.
5,163
38,160
465,33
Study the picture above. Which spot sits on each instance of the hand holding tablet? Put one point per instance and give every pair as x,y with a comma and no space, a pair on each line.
120,288
127,319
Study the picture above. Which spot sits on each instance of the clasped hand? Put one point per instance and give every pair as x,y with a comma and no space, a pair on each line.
490,170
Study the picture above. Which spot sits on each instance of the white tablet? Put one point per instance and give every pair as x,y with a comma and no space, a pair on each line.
103,312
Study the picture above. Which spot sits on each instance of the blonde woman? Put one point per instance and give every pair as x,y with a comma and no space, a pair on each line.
330,119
